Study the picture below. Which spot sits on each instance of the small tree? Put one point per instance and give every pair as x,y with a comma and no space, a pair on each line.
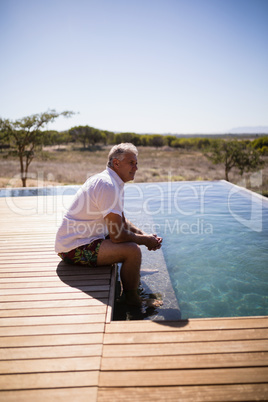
109,137
249,159
4,140
235,154
156,140
169,138
25,136
261,144
80,133
95,136
87,135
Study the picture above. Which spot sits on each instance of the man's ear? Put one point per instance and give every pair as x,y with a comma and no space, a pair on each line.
116,162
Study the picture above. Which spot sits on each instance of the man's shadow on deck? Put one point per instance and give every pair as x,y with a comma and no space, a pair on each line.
95,282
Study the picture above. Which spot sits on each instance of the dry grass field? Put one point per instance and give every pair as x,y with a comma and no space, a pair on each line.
68,165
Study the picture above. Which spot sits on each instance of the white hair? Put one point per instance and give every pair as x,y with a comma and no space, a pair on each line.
119,151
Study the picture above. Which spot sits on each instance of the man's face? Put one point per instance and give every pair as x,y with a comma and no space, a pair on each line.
127,167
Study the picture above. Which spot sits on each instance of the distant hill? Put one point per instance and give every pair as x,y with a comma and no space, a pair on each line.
249,130
233,132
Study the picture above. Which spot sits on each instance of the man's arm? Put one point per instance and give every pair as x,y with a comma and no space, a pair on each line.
120,231
129,225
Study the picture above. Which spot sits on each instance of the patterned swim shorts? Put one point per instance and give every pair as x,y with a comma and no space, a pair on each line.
83,255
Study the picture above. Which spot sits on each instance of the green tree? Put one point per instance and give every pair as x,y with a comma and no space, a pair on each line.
169,138
53,137
80,134
4,140
156,140
181,143
96,136
235,154
249,159
124,137
144,139
261,144
202,143
87,135
26,137
128,137
109,137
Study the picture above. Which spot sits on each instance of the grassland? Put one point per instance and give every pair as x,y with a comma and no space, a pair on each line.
72,165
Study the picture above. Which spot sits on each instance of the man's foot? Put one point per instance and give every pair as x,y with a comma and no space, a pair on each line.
152,302
133,299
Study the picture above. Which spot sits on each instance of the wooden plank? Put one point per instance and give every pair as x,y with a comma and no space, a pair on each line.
181,361
80,284
183,377
43,266
46,352
81,394
14,246
50,365
64,289
42,304
48,380
213,393
185,348
186,336
52,329
53,311
34,257
29,266
49,276
29,253
70,319
48,340
101,295
191,324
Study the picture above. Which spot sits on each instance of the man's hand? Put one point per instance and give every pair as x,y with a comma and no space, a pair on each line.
153,242
121,231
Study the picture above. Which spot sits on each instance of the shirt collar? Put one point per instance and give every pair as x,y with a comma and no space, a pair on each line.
115,176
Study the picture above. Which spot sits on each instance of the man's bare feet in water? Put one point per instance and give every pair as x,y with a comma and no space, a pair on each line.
152,302
133,299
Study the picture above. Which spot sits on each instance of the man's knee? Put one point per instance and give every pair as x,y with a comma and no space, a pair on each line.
133,250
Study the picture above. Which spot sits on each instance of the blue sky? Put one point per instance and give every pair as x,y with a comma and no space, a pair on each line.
145,66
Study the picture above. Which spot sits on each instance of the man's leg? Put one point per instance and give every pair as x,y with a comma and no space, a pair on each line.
130,255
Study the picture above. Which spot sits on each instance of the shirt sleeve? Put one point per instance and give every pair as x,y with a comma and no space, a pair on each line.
109,199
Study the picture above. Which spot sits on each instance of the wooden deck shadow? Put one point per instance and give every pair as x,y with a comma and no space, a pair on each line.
95,282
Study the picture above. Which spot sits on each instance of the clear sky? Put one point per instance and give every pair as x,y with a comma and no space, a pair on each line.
145,66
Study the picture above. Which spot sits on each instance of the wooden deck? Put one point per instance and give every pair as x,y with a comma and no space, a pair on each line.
57,341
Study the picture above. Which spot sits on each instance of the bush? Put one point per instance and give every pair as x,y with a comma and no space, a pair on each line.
261,144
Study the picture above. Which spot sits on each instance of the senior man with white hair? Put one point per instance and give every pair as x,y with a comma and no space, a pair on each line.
95,231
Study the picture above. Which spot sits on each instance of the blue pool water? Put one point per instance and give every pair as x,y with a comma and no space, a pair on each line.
215,244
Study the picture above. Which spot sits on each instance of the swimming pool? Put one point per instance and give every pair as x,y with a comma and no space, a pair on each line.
215,244
214,258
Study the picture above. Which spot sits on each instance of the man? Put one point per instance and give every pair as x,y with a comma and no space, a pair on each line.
95,231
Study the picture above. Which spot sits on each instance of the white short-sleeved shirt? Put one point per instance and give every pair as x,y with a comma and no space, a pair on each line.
84,221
